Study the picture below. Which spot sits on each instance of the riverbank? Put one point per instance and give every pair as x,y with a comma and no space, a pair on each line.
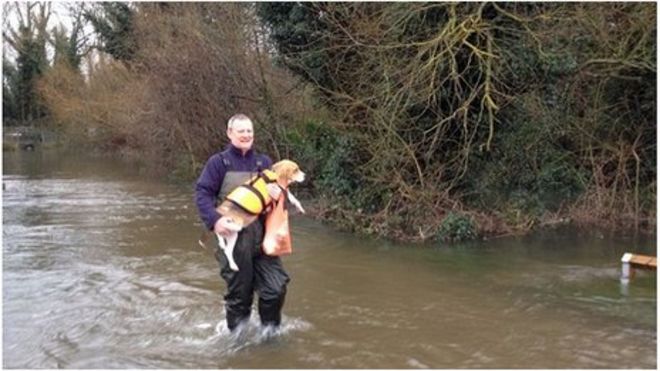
27,137
470,224
452,222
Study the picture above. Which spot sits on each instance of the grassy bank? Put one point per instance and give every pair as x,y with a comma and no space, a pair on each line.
465,225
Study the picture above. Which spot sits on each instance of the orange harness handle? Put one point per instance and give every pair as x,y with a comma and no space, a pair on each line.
277,239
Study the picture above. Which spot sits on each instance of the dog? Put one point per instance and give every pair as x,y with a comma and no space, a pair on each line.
243,205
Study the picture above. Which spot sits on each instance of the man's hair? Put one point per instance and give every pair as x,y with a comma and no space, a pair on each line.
237,117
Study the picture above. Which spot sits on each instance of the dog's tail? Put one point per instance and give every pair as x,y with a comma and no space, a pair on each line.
204,240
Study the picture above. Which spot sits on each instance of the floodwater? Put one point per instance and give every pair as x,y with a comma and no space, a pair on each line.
101,270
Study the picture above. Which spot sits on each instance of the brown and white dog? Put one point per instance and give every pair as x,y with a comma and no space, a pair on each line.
235,218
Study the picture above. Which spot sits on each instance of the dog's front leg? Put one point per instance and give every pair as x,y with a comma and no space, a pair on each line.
227,246
274,190
295,202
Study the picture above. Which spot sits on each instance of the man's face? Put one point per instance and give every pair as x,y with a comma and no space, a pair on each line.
241,135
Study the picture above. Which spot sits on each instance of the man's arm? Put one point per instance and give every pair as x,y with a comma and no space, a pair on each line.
207,188
266,162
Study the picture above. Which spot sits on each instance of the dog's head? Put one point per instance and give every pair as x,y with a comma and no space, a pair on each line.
288,171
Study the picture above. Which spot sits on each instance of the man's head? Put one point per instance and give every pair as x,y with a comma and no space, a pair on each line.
239,131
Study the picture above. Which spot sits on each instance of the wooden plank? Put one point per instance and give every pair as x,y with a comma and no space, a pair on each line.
643,261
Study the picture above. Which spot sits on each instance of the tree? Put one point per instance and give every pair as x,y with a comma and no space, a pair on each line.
71,47
436,95
9,106
114,24
29,42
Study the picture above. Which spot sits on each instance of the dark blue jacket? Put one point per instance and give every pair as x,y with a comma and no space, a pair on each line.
209,183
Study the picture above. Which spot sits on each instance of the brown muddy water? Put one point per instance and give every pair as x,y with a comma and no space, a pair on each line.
101,270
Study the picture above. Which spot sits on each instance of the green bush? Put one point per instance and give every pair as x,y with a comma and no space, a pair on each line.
456,227
326,155
532,166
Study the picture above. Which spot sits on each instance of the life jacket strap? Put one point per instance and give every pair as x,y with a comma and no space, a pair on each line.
262,175
240,206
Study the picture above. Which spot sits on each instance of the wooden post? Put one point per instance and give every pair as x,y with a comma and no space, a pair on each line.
625,268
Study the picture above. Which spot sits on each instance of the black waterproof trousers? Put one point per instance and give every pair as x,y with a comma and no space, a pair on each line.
257,272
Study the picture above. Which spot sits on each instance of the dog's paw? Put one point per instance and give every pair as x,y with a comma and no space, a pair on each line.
299,207
274,190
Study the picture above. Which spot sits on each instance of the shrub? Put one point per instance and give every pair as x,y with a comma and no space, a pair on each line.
456,227
325,154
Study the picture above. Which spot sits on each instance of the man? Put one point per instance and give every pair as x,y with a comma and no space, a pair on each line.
258,272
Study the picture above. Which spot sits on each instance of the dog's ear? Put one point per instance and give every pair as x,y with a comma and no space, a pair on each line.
276,166
285,168
279,166
280,169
